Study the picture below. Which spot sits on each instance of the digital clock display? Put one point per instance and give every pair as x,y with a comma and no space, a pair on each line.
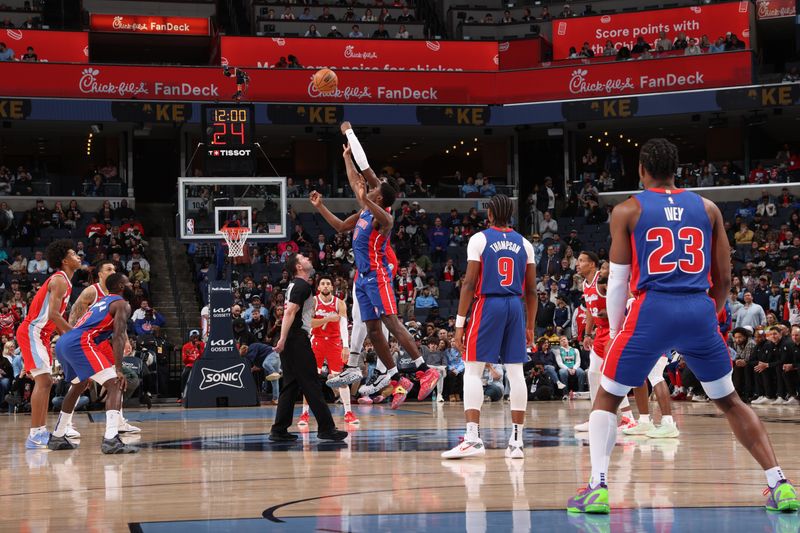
228,128
228,135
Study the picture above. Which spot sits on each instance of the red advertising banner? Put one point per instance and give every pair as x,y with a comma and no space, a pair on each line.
149,24
775,9
58,46
392,87
623,29
361,54
523,53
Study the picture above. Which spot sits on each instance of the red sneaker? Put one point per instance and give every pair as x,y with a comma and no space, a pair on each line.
627,423
427,382
303,419
351,418
400,392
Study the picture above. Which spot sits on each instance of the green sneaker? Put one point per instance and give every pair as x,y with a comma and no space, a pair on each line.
664,431
590,500
639,429
782,498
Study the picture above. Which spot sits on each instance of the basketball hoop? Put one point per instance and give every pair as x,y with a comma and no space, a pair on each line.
235,237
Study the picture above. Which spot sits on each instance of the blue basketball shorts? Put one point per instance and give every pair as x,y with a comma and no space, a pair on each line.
496,331
659,322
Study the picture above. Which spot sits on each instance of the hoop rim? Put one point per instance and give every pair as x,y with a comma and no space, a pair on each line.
235,231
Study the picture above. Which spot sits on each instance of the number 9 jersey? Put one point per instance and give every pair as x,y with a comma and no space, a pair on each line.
496,329
504,256
671,243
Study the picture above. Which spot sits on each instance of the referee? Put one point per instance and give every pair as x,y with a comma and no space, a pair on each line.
297,358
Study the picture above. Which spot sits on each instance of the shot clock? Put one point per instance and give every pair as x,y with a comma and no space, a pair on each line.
228,131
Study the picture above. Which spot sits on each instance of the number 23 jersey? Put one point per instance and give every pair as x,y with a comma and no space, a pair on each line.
671,243
504,255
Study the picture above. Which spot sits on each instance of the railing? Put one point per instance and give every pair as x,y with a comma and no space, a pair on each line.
165,223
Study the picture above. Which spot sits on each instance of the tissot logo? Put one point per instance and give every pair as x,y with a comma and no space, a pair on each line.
228,377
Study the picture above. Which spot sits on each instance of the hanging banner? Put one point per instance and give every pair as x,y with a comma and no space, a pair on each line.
623,29
775,9
596,80
149,24
57,46
361,54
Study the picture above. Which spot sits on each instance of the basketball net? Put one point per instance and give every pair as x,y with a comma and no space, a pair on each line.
236,238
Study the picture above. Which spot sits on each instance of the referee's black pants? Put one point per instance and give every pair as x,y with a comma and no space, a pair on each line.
300,375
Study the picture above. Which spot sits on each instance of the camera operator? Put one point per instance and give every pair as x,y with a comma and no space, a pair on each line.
136,374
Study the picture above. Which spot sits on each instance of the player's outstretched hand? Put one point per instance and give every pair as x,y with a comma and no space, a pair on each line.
361,189
316,199
345,126
346,151
587,343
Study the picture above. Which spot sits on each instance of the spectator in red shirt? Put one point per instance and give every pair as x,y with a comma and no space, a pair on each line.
95,228
758,174
9,318
190,352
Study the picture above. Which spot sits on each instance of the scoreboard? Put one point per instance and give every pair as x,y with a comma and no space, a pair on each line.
228,137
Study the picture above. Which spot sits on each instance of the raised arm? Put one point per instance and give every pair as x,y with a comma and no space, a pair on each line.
336,223
721,257
359,155
57,291
383,218
81,304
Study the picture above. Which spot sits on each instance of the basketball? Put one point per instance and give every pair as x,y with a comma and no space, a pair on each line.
325,80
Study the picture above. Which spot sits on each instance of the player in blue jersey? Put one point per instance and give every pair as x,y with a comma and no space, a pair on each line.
500,272
93,349
374,293
671,245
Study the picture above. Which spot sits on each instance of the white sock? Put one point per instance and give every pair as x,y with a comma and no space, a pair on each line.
667,419
774,476
113,420
602,438
63,422
380,367
473,433
516,434
34,431
352,359
392,371
305,406
419,361
645,419
344,394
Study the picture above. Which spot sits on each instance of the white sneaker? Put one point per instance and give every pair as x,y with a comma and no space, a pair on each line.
792,401
440,399
582,427
560,385
275,376
664,431
466,449
515,451
639,429
761,400
125,427
777,401
699,398
72,433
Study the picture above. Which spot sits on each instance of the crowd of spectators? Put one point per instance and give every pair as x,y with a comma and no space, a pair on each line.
661,45
101,180
110,234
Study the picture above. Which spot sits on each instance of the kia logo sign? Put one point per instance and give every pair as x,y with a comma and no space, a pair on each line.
228,377
221,345
221,311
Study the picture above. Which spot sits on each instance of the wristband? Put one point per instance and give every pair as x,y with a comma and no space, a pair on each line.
460,321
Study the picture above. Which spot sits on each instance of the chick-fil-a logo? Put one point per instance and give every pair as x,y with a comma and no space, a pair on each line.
88,84
350,52
348,93
578,84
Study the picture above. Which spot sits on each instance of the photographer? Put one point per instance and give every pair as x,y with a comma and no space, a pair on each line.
136,374
149,323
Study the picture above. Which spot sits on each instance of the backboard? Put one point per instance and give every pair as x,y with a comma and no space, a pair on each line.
207,204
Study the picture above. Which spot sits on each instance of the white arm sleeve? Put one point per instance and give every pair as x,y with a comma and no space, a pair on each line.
475,247
343,332
617,295
358,151
529,250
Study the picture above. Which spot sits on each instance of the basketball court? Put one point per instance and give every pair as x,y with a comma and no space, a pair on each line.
215,470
